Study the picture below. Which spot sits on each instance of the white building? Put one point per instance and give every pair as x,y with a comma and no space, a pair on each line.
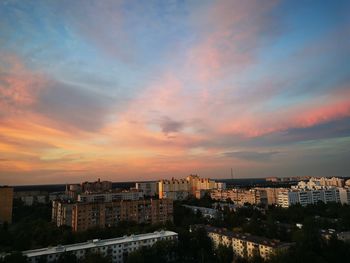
116,248
344,195
110,196
320,183
148,188
304,197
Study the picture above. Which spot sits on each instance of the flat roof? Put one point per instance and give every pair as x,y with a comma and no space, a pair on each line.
96,243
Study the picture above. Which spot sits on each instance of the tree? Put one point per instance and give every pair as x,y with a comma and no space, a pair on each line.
67,258
95,257
223,254
15,257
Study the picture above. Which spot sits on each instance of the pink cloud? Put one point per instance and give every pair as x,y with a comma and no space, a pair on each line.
308,114
230,34
19,87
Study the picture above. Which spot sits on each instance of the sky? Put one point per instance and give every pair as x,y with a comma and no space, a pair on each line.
143,90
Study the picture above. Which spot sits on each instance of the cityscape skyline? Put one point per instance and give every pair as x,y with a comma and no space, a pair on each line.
139,91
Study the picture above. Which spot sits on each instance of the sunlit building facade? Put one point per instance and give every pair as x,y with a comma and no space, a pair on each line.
245,245
82,216
6,203
179,189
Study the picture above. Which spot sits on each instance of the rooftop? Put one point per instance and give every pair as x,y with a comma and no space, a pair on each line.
96,243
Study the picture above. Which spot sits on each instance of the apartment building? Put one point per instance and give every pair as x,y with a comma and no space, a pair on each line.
241,196
73,190
344,195
179,189
206,212
324,181
6,204
98,186
271,194
62,213
176,189
304,197
93,197
246,245
148,188
117,249
82,216
32,197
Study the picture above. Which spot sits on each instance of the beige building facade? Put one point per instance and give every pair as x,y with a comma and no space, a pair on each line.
82,216
6,204
245,245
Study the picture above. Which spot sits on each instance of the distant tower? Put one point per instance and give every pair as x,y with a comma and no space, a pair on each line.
231,173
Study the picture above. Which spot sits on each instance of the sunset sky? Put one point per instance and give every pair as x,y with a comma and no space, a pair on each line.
143,90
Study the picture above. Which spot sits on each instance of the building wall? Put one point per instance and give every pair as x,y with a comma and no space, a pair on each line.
148,188
96,186
110,196
82,216
117,250
6,203
178,189
304,197
240,196
344,195
245,248
271,194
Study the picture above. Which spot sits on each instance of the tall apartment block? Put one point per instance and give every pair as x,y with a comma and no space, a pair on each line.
73,190
304,197
82,216
178,189
6,203
271,194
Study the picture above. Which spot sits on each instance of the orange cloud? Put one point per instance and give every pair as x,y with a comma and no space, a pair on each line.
313,112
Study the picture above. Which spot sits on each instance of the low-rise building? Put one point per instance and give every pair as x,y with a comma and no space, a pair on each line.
246,245
117,249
